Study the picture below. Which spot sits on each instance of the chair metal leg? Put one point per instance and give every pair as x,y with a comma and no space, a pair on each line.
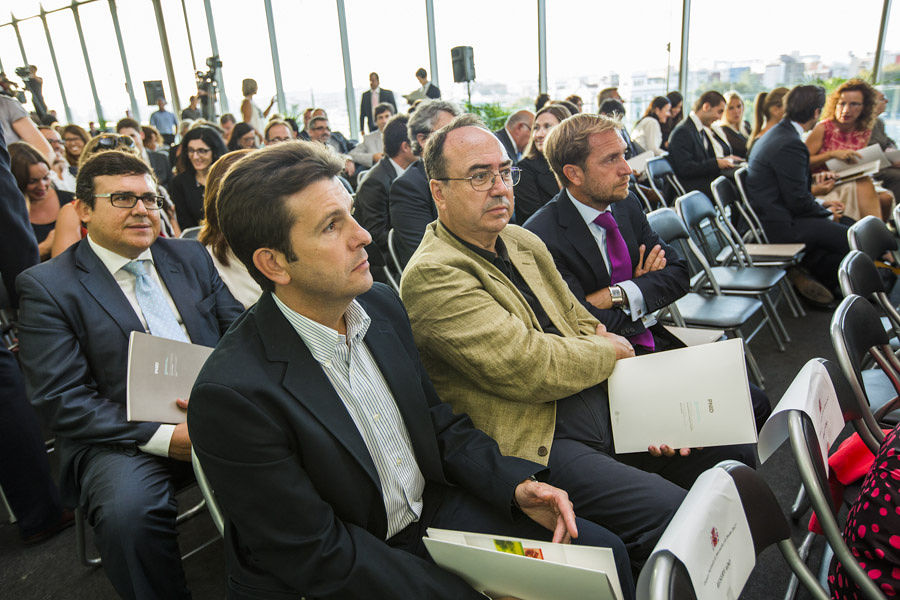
770,321
801,505
825,565
792,299
801,573
751,361
9,510
81,541
784,334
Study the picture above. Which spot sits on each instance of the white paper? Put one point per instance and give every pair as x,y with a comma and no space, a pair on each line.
639,163
685,398
566,572
872,153
893,155
813,393
692,336
159,371
710,535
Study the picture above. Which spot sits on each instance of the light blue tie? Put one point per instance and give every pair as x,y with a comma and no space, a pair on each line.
153,303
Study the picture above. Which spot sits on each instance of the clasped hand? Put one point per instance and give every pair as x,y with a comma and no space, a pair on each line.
180,444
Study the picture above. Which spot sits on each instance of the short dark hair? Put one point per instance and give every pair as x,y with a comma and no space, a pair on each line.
611,107
712,97
208,136
802,102
433,155
251,204
109,162
292,122
420,72
240,130
383,107
227,118
394,134
126,123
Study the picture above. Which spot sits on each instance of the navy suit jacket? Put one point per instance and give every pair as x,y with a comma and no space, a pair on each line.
74,324
373,210
778,177
271,431
694,165
578,259
507,142
433,91
537,186
366,110
412,209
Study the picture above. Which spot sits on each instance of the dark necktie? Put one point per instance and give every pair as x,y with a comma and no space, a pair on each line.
620,265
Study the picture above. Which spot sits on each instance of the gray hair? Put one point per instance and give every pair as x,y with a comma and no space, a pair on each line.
422,121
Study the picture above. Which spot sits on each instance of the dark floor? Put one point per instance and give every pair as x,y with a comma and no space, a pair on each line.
51,570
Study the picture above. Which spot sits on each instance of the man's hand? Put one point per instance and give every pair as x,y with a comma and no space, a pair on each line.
180,445
823,187
623,347
835,206
667,451
349,168
724,163
655,261
548,506
377,156
850,156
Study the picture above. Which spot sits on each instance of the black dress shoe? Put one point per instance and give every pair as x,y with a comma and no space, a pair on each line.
66,519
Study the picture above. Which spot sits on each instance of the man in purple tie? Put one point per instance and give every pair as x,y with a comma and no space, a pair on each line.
505,341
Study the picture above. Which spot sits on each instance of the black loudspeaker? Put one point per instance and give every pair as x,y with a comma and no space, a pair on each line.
463,63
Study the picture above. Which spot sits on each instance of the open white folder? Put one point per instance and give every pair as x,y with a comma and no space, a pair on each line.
526,569
691,397
869,154
159,371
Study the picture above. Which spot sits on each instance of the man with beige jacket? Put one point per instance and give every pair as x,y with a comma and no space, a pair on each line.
504,340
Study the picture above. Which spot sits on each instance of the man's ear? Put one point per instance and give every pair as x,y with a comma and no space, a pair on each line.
574,174
84,211
271,263
437,193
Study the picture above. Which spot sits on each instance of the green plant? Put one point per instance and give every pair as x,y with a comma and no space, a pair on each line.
493,115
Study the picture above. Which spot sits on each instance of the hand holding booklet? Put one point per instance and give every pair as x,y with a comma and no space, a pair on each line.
526,569
159,371
691,397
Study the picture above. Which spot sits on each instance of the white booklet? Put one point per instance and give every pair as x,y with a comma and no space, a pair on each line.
526,569
159,371
691,397
872,153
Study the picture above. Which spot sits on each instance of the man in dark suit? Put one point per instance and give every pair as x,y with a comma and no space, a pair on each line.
697,154
372,198
411,206
371,98
317,397
615,264
781,190
515,133
431,91
24,469
77,312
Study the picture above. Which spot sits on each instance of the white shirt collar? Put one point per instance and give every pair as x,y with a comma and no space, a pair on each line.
425,86
588,213
400,170
112,261
700,126
799,128
321,339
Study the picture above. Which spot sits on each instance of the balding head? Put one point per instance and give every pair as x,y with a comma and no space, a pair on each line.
518,125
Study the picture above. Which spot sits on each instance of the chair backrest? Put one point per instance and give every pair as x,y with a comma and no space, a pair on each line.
871,235
634,187
727,198
858,275
671,228
395,257
191,233
696,210
756,228
660,175
208,494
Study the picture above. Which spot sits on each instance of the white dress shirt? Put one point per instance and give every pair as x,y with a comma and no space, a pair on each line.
159,442
708,136
400,170
648,134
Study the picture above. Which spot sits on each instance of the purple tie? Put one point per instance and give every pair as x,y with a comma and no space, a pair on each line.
620,265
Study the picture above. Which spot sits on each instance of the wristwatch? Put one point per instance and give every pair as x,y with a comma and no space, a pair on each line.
617,296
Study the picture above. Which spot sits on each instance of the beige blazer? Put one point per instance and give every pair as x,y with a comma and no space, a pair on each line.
481,343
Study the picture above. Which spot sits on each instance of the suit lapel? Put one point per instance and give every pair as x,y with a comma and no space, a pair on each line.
102,286
524,262
579,235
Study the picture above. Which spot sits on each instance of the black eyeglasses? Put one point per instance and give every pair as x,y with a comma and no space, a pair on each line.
129,200
111,142
484,180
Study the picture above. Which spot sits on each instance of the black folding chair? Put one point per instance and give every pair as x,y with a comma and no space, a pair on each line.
662,178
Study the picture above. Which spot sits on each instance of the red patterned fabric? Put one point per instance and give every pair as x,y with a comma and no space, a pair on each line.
835,139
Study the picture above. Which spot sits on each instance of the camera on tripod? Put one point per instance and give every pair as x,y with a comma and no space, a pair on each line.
206,88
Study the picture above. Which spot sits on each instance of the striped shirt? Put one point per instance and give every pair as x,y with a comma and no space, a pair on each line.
358,381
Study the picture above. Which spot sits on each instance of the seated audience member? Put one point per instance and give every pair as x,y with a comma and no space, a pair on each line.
18,126
577,101
76,313
192,111
610,93
371,149
541,101
74,138
158,162
602,244
227,122
59,173
537,183
32,173
871,530
768,110
431,91
889,176
675,116
648,130
412,208
779,187
316,396
200,148
505,341
515,133
277,132
292,123
335,139
152,138
372,206
616,110
697,154
319,130
232,271
732,127
243,136
24,468
846,125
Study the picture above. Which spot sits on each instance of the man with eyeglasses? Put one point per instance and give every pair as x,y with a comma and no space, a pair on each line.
59,172
76,314
277,132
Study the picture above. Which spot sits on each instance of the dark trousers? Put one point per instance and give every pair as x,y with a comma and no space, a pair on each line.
24,469
826,244
447,507
129,499
634,495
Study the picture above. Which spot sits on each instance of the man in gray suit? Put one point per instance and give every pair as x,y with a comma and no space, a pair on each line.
371,149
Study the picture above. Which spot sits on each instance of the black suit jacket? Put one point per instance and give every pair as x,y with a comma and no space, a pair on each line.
73,338
537,185
412,209
159,162
304,514
694,165
778,177
578,259
373,209
507,142
433,91
18,246
365,107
